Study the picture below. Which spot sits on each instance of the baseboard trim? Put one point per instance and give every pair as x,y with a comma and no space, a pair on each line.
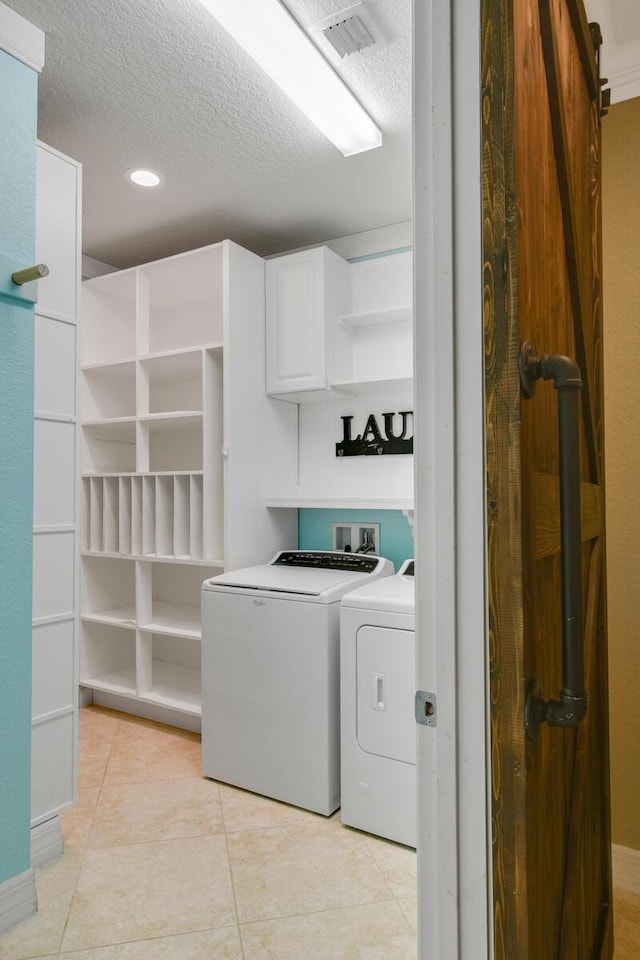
626,868
150,711
18,900
46,842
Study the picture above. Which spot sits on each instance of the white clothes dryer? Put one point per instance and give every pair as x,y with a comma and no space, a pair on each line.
378,727
271,674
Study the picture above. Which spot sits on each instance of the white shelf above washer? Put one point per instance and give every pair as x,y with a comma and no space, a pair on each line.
372,318
339,503
362,387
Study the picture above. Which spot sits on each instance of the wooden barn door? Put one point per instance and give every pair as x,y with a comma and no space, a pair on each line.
550,781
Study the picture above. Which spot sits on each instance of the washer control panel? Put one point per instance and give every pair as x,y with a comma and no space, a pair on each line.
326,560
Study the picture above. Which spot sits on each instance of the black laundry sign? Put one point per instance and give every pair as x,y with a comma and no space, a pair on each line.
392,438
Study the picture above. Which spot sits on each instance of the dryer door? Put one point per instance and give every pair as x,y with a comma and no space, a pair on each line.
385,663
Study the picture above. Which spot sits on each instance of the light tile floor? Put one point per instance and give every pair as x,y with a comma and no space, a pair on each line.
160,864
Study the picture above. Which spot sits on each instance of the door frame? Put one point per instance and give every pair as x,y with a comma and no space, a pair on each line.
454,824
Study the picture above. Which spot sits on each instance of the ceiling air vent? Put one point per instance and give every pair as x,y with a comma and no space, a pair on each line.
349,36
348,31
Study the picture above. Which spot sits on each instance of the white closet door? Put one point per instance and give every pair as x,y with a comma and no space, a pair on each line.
55,495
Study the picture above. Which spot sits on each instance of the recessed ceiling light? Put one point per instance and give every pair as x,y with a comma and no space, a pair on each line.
144,178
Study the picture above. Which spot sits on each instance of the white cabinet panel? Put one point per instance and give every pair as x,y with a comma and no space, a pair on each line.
54,644
307,292
53,575
52,766
57,232
55,367
298,345
54,499
53,686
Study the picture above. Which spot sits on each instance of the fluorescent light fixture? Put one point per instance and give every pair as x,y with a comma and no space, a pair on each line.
270,35
144,178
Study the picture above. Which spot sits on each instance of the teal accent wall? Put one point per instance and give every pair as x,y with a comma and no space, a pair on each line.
315,530
18,106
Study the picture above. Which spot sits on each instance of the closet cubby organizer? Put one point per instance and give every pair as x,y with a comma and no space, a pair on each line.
174,416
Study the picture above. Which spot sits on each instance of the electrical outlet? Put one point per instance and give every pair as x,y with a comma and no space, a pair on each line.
357,537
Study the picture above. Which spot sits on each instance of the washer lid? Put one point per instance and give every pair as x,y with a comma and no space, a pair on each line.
391,594
320,575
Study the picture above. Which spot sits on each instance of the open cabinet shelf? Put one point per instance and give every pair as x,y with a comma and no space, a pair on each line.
338,503
372,318
172,376
174,620
118,616
175,686
364,387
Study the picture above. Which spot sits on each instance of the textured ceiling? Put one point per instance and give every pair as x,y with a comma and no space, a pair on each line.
158,83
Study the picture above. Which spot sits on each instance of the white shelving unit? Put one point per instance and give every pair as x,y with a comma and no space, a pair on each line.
361,313
175,421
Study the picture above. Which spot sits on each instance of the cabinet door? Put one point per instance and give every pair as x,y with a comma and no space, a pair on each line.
296,322
57,233
54,697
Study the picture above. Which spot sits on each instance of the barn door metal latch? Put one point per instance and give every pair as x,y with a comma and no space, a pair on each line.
604,95
425,708
571,706
567,711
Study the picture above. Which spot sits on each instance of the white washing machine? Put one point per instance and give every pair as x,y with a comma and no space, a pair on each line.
271,674
378,727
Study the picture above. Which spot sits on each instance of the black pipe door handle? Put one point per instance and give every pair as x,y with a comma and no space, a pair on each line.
571,706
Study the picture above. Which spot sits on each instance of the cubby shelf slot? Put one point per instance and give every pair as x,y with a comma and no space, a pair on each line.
175,686
174,620
120,681
174,419
119,616
178,352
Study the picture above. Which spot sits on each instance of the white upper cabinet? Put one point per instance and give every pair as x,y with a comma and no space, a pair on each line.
337,329
307,293
57,233
340,334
